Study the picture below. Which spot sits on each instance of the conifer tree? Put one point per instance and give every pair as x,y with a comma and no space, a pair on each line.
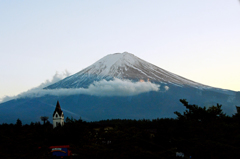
19,123
196,113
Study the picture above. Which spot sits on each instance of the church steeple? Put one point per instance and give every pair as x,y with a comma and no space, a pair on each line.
57,109
58,117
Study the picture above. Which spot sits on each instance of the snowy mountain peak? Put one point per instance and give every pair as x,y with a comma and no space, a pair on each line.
123,66
111,59
108,64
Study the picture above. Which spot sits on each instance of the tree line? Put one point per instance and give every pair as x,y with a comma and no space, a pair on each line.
198,132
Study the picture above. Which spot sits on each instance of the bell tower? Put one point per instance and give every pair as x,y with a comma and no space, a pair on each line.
58,117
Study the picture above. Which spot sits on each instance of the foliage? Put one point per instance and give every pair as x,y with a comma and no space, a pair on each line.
203,114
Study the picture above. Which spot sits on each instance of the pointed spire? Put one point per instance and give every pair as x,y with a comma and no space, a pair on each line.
58,105
58,109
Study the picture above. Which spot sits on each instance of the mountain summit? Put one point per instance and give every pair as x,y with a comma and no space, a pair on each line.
123,66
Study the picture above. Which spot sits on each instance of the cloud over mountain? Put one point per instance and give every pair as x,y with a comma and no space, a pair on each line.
115,87
56,77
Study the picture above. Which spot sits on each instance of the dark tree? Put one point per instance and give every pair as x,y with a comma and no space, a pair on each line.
44,118
19,123
196,113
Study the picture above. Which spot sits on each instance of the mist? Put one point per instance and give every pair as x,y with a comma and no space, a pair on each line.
56,77
115,87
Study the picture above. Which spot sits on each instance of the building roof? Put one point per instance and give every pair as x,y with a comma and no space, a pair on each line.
58,109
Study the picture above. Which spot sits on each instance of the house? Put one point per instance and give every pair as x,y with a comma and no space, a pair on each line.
58,117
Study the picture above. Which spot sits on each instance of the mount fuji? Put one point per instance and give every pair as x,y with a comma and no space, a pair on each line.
119,85
123,66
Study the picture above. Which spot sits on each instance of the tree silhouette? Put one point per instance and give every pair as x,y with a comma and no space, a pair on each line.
196,113
19,123
44,118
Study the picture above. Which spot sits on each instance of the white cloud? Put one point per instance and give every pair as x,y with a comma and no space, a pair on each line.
57,77
116,87
166,88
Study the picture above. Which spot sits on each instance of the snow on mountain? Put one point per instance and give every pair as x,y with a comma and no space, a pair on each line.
123,66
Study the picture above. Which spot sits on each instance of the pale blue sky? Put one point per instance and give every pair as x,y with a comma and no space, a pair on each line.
197,39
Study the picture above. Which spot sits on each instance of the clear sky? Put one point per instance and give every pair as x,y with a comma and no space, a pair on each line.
196,39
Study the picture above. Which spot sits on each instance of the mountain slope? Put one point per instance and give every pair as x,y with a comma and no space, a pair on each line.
149,104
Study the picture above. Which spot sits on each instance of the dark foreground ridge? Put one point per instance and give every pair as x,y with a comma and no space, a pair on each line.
199,132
